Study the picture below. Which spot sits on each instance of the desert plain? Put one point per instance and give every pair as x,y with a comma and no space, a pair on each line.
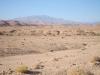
50,50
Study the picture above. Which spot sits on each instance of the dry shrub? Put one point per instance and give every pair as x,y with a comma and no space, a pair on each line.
77,71
96,61
12,31
81,32
1,33
22,69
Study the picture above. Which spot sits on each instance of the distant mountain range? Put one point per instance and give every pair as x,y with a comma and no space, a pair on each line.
37,20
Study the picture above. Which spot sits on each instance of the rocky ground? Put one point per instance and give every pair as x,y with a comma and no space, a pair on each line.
50,50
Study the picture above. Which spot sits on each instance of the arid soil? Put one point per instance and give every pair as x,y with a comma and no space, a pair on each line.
50,50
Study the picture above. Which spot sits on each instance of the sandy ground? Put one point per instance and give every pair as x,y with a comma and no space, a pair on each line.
49,52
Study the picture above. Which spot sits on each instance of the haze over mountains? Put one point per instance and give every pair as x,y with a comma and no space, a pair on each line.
38,20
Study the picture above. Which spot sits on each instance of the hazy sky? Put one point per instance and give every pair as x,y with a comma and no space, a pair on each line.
76,10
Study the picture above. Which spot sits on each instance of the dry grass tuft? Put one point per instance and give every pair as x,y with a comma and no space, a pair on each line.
22,69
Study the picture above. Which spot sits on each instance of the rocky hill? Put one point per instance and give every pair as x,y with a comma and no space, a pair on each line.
38,20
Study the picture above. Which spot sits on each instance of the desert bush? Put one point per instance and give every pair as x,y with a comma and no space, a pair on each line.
84,44
55,32
12,31
48,33
97,34
2,33
39,66
66,33
22,69
77,71
91,33
81,32
96,60
33,32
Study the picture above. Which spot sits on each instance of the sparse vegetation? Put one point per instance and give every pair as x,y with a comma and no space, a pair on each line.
97,34
55,50
96,61
12,31
84,44
81,32
1,33
22,69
